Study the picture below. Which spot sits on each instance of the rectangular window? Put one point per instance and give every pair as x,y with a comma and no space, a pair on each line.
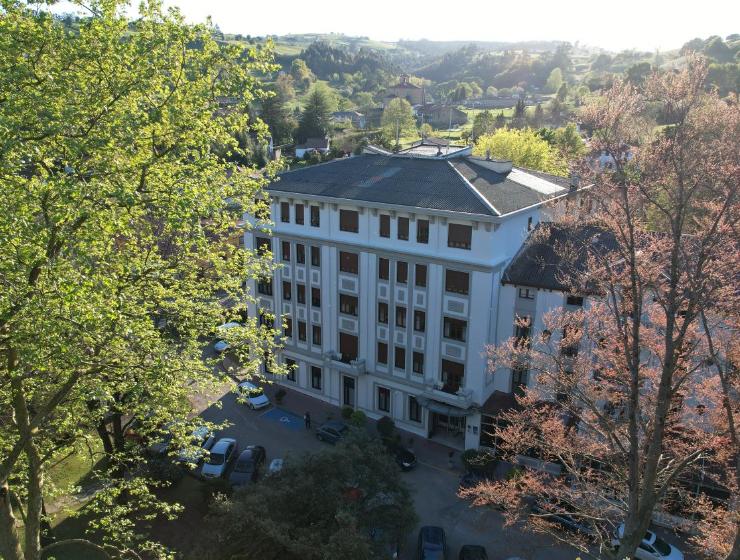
263,244
349,220
315,256
348,347
349,262
522,329
457,282
287,291
403,229
383,313
455,329
422,231
266,320
300,253
417,360
526,293
299,214
420,276
414,410
315,216
302,331
284,212
453,375
401,317
402,272
288,330
519,377
316,297
385,225
316,335
399,358
382,353
301,289
286,250
316,378
292,367
264,286
459,236
384,399
383,268
575,300
420,321
348,304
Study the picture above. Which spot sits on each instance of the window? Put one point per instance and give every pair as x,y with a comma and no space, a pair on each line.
417,363
383,268
266,320
382,353
286,250
316,335
349,262
284,212
264,286
422,231
299,214
302,331
301,288
263,245
575,300
383,313
420,321
455,329
456,282
316,297
315,256
519,378
402,272
414,410
315,216
287,291
292,367
420,278
385,225
349,220
401,317
288,330
384,399
459,236
316,378
403,229
348,347
526,293
300,253
348,304
453,375
399,358
522,332
571,333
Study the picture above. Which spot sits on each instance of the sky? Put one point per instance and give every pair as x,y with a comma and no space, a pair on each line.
615,25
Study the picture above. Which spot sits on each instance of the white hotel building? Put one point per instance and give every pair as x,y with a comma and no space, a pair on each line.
393,281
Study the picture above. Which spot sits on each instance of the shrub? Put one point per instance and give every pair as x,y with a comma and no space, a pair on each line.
358,419
386,427
477,459
347,412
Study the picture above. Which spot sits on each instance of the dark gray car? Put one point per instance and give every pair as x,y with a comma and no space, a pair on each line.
332,431
247,467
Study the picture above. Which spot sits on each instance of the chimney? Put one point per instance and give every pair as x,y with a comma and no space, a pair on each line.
575,181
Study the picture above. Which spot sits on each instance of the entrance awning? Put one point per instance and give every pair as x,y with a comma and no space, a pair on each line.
446,409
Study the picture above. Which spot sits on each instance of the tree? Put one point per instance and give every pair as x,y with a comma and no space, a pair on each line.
426,130
491,91
117,242
500,120
562,92
523,147
315,120
539,116
643,373
637,73
364,101
347,501
301,73
398,118
554,80
569,143
285,85
278,116
483,123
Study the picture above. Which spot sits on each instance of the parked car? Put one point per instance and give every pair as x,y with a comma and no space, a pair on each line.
472,552
247,467
276,465
652,547
332,431
220,457
432,543
202,441
253,395
404,457
558,513
221,345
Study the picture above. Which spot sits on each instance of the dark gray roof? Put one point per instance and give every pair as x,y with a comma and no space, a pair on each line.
422,182
554,253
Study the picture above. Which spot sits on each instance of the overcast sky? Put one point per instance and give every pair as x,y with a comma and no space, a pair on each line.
614,25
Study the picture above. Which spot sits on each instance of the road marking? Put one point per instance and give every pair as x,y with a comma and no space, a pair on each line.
285,420
440,469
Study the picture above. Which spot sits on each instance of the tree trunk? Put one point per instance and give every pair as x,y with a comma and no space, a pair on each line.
102,430
10,544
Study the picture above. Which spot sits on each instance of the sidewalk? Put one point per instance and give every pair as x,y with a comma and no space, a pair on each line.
430,453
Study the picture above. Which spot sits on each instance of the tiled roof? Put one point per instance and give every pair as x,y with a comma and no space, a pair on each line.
434,183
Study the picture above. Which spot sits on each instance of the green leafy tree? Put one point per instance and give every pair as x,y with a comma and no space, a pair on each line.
524,148
315,121
483,123
554,80
347,501
426,130
398,117
500,120
562,92
301,73
539,116
278,116
569,143
637,73
118,238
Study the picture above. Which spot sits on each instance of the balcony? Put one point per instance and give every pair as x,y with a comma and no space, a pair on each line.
462,398
336,360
